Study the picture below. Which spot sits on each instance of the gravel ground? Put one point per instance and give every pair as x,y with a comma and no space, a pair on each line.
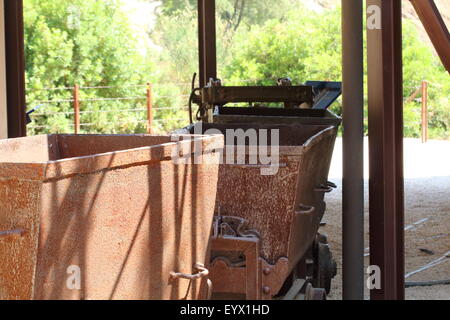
427,208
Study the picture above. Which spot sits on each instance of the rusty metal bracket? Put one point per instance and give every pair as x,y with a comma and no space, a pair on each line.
237,280
273,276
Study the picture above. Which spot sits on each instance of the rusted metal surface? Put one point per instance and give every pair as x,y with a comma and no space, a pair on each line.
386,184
269,203
116,207
11,234
232,279
15,68
435,27
282,211
273,277
19,203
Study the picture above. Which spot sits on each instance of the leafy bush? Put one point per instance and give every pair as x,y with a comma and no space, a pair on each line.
279,49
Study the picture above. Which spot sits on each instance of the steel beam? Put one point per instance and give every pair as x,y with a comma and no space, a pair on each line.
3,112
207,41
436,28
386,185
353,150
15,68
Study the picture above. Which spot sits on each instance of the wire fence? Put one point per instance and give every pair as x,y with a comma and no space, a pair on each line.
138,108
142,108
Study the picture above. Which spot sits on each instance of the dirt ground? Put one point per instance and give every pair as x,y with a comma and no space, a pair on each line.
427,215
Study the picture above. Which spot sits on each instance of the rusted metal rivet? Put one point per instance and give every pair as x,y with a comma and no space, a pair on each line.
266,290
266,271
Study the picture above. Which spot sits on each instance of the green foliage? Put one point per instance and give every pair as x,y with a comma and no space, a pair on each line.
177,30
92,43
234,12
89,43
419,63
179,40
276,50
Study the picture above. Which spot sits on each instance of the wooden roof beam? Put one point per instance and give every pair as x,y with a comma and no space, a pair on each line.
435,27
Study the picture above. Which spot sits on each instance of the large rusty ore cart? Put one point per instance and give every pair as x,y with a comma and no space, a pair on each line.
105,217
265,224
266,243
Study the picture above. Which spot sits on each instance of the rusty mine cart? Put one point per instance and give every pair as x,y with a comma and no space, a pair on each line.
265,242
137,225
101,217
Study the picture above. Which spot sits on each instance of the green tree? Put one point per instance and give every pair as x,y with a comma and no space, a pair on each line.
276,50
235,12
89,43
420,63
176,31
303,49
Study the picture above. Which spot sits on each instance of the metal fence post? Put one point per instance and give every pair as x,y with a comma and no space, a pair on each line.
149,109
424,111
76,108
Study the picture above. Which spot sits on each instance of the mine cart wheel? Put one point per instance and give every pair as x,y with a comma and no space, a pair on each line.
325,268
316,294
303,290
